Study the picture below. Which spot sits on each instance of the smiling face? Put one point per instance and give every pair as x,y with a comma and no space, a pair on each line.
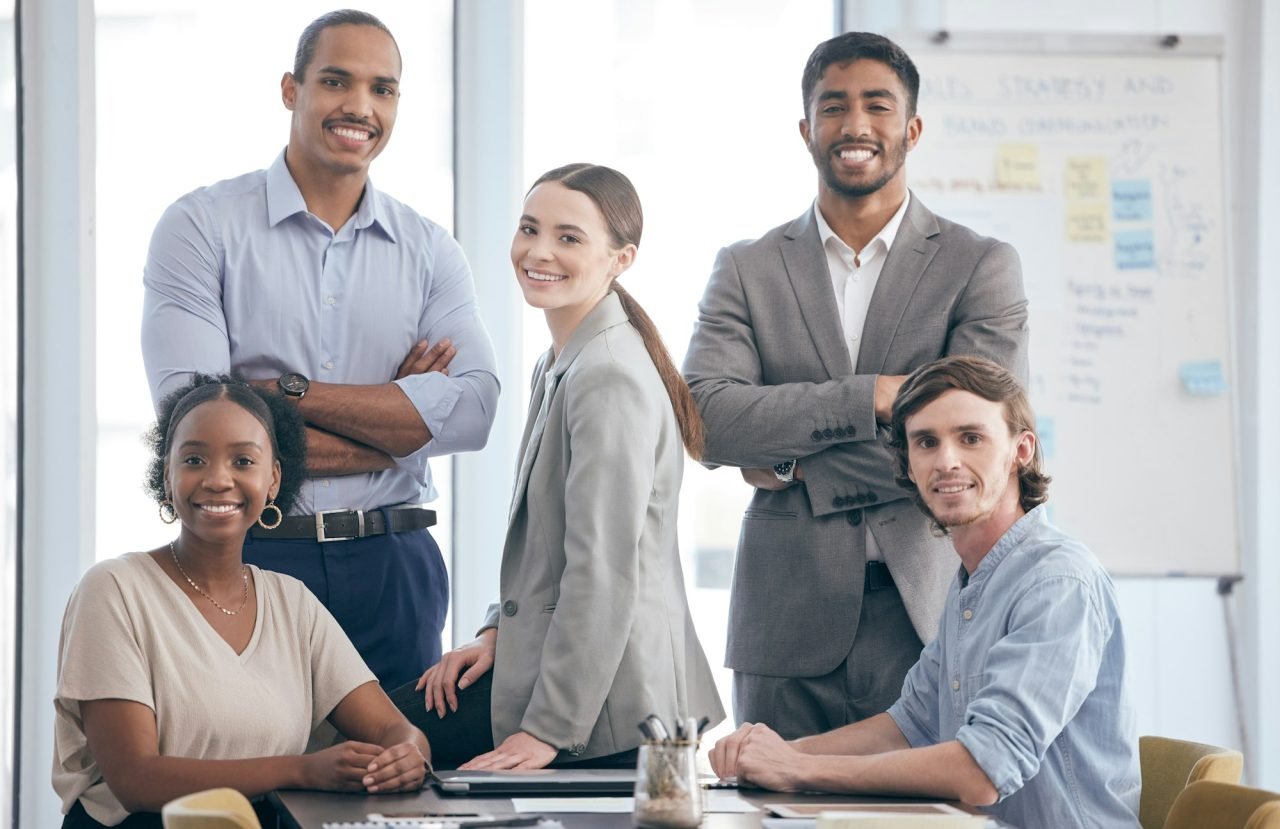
220,471
563,255
344,106
965,463
859,131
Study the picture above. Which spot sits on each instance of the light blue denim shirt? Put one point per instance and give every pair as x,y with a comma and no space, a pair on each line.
1027,672
241,276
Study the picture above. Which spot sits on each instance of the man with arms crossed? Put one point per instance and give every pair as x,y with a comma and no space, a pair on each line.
802,340
305,278
1020,701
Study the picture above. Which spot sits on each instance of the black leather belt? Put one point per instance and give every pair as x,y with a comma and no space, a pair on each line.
878,577
346,524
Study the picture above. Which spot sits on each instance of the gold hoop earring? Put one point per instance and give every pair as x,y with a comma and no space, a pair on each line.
279,516
168,513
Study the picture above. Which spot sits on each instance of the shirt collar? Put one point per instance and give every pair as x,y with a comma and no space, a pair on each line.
888,233
284,199
1009,542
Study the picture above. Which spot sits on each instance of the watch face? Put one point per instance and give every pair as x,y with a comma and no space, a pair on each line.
294,384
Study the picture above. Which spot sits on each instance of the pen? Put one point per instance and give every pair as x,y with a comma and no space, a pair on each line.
660,731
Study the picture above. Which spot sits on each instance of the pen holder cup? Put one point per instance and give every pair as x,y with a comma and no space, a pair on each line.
668,795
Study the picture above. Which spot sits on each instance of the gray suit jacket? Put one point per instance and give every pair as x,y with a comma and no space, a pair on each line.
594,629
771,374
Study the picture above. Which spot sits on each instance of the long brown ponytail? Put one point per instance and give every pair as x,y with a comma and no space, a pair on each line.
619,204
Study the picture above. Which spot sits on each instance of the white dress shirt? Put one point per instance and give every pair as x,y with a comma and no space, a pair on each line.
853,278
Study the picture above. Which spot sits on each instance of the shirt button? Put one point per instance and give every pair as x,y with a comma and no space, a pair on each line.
329,300
328,363
509,608
968,614
955,685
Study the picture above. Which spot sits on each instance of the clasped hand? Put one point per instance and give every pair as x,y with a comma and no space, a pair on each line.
756,754
353,766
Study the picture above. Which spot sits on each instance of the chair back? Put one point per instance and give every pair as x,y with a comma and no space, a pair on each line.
1224,806
1169,766
1267,816
211,809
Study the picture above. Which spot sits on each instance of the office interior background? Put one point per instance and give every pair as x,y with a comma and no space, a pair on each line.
111,110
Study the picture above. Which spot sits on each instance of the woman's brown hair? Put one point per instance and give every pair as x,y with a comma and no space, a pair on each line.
619,204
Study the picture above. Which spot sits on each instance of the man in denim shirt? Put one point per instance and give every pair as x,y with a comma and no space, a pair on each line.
1019,704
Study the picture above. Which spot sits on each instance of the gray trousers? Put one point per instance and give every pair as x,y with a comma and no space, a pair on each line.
865,684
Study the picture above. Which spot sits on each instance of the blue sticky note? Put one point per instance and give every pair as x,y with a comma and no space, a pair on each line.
1203,378
1044,432
1131,200
1135,249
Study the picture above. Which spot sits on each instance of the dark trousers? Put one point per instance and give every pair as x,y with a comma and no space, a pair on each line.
468,732
388,592
865,684
78,818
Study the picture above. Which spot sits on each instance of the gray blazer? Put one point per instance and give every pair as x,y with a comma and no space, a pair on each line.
594,629
771,374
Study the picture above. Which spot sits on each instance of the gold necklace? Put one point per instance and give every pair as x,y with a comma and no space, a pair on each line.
243,575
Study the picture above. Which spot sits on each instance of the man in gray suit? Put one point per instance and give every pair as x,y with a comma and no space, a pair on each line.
803,338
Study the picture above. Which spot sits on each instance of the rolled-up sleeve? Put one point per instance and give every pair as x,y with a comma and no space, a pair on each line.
184,329
1036,678
459,407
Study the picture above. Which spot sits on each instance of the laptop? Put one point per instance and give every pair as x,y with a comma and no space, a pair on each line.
534,782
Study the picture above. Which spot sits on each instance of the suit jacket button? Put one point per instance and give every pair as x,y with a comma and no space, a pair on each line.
577,749
509,608
837,502
850,431
817,435
871,497
855,517
839,431
828,434
861,499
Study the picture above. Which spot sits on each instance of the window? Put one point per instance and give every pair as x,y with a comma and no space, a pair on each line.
8,408
188,94
697,102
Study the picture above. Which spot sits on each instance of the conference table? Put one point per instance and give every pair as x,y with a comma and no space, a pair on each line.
311,810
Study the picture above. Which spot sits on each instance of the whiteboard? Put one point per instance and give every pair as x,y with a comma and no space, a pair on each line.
1106,173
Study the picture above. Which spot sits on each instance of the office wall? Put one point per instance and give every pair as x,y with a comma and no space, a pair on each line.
1177,630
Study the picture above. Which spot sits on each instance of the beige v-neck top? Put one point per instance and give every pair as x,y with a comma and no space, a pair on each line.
131,633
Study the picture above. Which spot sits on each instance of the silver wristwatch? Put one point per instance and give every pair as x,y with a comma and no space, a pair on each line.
785,471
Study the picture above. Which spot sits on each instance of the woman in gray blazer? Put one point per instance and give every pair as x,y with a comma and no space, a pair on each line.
592,632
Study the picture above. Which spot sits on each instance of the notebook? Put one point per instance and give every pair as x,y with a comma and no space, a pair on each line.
533,782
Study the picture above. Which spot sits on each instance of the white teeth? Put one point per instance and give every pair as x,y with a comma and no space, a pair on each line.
353,134
220,508
953,488
856,155
545,277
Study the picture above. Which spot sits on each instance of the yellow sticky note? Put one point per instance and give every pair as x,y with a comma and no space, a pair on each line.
1085,178
1018,166
1086,222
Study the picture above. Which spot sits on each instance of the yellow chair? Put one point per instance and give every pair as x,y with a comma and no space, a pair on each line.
1224,806
1169,766
1266,817
212,809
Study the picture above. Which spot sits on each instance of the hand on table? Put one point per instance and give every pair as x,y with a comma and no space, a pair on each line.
519,751
353,766
755,753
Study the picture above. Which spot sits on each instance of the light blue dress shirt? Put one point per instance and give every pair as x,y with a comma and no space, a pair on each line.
1027,673
240,276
